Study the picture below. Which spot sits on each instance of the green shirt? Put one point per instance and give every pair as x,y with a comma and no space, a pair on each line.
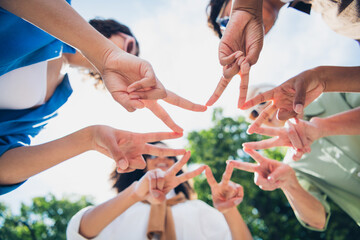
332,168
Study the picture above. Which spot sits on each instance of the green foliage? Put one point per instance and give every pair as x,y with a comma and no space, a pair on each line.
46,218
268,214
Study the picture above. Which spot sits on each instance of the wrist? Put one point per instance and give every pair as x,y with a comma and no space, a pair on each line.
320,127
229,211
291,184
133,194
252,7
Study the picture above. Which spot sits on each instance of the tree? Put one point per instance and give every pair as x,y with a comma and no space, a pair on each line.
268,214
46,218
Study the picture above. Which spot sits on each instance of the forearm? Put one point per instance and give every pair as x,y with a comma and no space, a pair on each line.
340,79
307,207
238,227
59,19
18,164
345,123
97,218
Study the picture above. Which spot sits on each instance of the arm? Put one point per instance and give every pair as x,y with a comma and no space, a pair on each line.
126,148
96,219
340,79
240,46
226,196
271,175
305,205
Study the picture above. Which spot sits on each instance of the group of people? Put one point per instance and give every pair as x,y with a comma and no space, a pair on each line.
40,37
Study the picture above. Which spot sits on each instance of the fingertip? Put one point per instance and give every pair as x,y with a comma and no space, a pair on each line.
299,108
123,164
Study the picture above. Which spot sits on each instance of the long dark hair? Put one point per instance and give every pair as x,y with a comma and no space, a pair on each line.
123,180
212,11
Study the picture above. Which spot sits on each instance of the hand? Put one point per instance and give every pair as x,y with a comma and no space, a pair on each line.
173,99
126,148
268,174
155,184
289,99
298,134
124,73
225,194
240,47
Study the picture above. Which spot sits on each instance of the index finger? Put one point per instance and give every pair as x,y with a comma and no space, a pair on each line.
164,116
174,169
227,174
210,177
162,151
218,91
244,83
176,100
159,136
245,166
255,155
188,175
264,115
262,97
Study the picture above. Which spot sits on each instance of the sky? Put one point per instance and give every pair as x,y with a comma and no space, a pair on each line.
175,39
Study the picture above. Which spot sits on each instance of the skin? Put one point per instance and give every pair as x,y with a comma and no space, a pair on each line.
242,41
290,98
271,174
123,73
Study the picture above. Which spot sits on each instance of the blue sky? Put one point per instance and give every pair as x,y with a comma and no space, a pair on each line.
175,39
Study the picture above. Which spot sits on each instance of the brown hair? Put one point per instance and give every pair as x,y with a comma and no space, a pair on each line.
213,9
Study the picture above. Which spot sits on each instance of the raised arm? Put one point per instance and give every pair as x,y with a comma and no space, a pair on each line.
270,175
153,187
240,46
291,97
226,196
126,148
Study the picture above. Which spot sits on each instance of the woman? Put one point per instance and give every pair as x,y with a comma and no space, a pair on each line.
139,210
31,95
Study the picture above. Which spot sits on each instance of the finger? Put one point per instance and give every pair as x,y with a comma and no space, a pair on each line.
137,162
268,131
255,155
218,91
151,94
244,74
297,155
152,180
245,166
162,151
165,117
231,70
174,169
293,136
159,136
125,101
226,59
210,177
264,115
227,174
284,114
263,144
119,170
262,97
278,174
160,180
148,81
228,204
188,175
176,100
300,96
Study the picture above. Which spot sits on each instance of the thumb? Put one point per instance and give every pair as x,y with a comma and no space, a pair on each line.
300,96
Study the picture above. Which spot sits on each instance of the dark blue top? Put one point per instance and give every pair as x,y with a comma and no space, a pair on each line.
18,126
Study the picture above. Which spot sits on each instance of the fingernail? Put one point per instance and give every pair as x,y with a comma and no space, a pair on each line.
299,108
123,164
237,201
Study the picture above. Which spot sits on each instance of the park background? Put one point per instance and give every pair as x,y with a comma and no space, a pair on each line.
175,39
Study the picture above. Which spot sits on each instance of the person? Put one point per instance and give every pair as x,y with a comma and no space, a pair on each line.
326,164
342,16
128,78
140,211
30,97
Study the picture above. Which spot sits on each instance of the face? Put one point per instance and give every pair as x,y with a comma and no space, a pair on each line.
269,15
164,163
125,42
255,111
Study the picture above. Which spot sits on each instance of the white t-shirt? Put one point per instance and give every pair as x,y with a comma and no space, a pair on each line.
193,219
